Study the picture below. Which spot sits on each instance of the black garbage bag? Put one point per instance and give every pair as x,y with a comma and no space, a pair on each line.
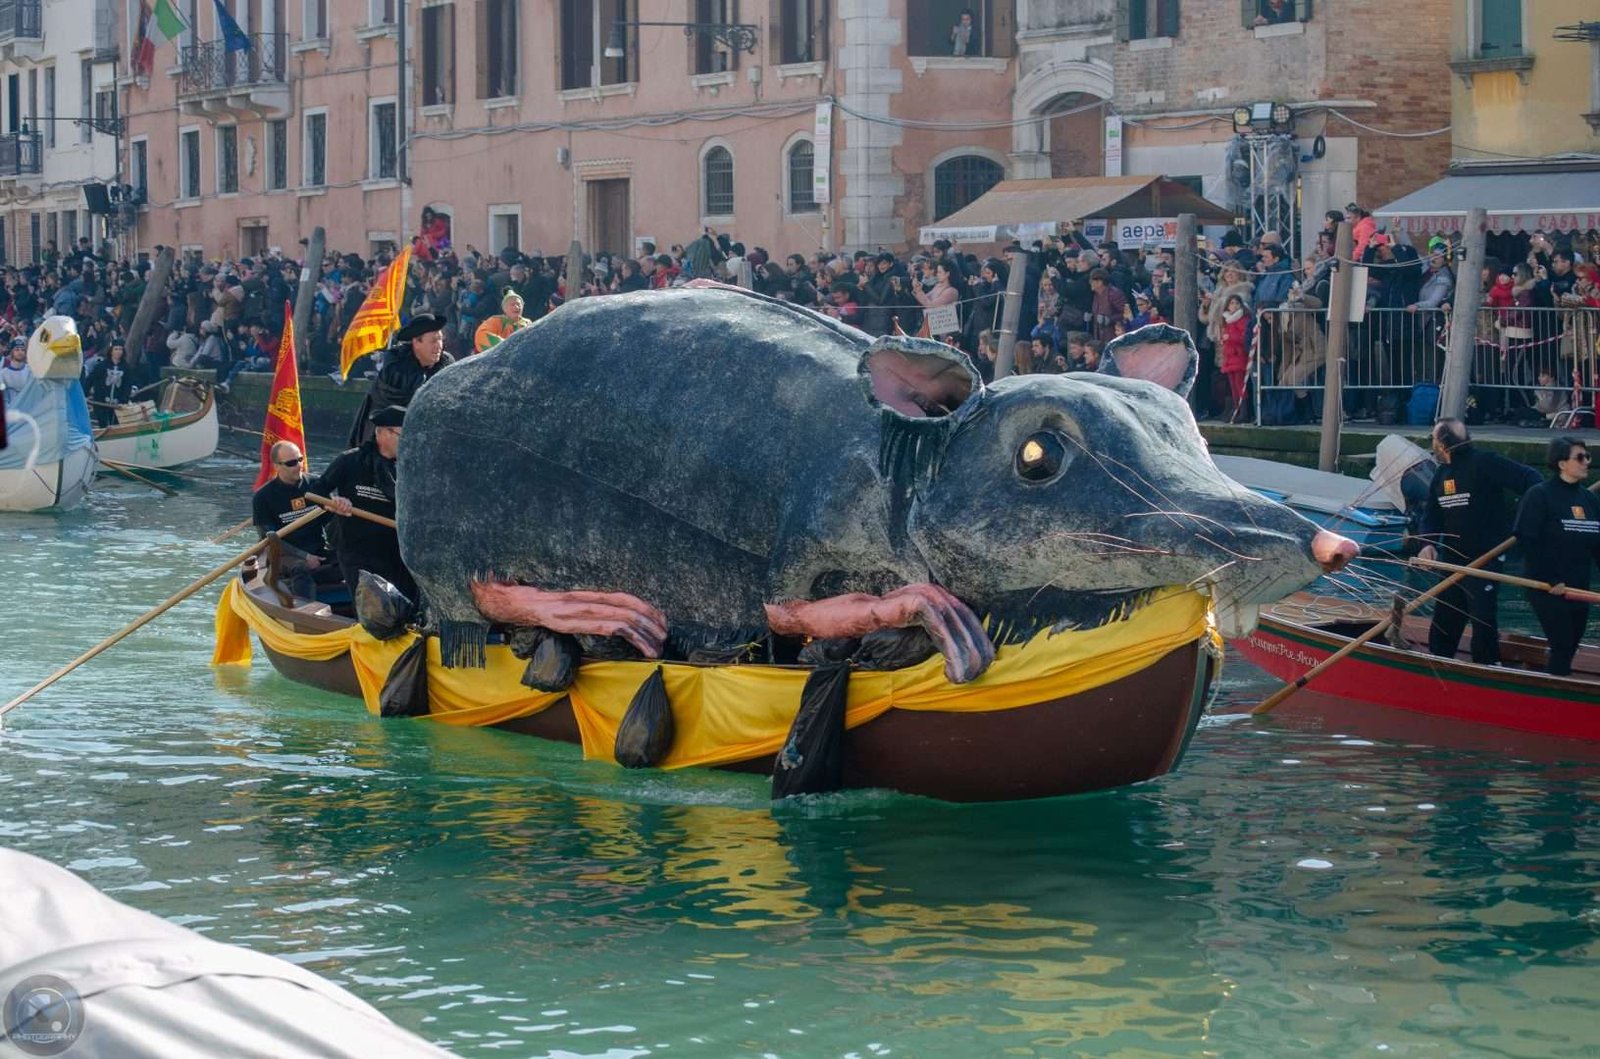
812,758
895,648
405,690
828,652
382,609
646,732
552,658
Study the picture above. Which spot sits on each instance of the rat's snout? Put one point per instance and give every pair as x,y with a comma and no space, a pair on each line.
1333,552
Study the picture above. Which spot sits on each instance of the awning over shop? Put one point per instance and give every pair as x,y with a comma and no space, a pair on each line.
1517,202
1031,209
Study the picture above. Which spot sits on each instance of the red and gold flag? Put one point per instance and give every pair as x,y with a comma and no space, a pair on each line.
284,422
378,316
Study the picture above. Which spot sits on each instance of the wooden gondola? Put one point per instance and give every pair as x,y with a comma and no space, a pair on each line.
1303,630
178,428
1130,727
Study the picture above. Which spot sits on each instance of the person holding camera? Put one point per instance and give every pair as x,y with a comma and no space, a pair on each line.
943,291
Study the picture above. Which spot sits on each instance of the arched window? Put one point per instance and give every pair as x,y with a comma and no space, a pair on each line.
961,179
802,191
716,182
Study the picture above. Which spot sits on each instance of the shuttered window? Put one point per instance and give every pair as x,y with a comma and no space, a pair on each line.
717,180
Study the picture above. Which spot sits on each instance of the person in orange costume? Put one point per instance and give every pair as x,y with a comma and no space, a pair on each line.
497,329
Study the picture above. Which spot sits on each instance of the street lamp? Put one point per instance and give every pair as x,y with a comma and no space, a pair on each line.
740,36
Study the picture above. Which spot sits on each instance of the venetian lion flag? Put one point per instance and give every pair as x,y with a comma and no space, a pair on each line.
284,422
378,316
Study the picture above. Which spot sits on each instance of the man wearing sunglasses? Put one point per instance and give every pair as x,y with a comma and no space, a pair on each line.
1558,526
280,502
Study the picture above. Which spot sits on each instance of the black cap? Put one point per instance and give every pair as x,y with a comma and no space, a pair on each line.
420,324
393,416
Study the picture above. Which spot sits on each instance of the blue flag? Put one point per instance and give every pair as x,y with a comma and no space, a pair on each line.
234,37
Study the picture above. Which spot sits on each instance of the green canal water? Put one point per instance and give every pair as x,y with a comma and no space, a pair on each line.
1313,885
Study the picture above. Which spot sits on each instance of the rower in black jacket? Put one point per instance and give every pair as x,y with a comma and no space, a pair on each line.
1558,526
1469,513
363,477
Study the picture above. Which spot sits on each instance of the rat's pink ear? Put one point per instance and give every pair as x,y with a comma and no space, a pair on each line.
1158,353
918,377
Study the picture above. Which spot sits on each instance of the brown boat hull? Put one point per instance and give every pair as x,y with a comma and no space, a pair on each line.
1123,732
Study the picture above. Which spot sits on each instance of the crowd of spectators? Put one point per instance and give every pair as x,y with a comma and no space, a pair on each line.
1076,297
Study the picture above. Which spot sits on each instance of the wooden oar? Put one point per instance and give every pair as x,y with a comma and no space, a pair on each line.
325,502
355,511
132,475
1580,594
146,389
161,608
234,532
1271,701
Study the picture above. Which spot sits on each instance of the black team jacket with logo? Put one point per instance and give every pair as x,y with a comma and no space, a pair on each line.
1558,526
1470,502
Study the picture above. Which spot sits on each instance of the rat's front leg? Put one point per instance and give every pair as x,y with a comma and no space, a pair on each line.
954,627
590,613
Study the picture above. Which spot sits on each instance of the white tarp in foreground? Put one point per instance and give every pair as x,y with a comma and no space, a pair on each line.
85,976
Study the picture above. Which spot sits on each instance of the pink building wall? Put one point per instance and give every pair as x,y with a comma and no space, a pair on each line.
341,75
542,172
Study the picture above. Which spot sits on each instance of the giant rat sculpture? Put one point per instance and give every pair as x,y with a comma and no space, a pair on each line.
694,468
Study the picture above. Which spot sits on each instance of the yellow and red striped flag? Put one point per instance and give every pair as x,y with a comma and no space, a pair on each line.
284,422
378,316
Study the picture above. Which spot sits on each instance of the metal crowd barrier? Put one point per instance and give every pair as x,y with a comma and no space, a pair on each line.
1387,354
1533,362
1527,364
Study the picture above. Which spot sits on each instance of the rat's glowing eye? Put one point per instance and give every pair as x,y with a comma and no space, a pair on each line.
1041,457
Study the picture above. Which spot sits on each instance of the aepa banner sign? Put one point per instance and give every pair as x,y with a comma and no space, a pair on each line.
1162,231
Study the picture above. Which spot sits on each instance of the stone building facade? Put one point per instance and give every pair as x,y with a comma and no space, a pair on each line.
540,122
1174,71
59,130
240,151
522,130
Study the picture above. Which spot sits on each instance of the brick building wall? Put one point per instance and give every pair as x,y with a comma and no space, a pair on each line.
1403,68
1349,57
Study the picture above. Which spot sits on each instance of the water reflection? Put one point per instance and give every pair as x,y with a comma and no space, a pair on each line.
1323,883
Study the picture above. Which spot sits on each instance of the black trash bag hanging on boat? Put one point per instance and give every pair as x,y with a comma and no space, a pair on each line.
382,609
812,758
552,658
645,735
405,690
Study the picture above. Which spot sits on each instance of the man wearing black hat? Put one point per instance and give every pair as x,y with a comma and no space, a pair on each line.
363,477
416,354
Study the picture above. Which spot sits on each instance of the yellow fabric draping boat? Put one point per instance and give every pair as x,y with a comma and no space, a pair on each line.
736,713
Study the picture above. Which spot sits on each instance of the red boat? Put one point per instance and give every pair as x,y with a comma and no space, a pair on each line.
1303,630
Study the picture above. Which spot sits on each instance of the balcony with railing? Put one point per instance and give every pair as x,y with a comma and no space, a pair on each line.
248,83
21,155
21,29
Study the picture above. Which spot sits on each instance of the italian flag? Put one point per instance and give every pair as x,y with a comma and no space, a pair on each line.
157,25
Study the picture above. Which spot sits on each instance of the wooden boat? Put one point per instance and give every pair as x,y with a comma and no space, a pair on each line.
1303,630
56,485
49,458
1125,725
1350,507
178,428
